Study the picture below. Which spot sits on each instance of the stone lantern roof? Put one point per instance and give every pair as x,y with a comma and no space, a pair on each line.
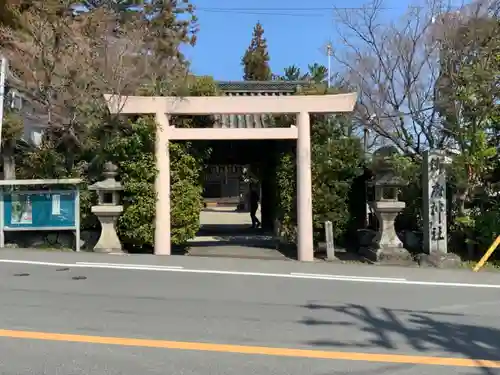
383,168
388,179
109,182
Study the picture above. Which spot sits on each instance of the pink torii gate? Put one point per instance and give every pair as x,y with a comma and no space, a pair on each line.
162,107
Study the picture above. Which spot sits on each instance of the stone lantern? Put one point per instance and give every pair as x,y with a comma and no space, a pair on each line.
108,209
387,184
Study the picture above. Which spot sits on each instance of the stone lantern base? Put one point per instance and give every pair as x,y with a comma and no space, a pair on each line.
386,245
108,241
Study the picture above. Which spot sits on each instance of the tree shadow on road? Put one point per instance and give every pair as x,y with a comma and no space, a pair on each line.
423,331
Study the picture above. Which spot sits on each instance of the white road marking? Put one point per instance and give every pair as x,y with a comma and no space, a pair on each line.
120,266
125,265
350,277
361,279
34,262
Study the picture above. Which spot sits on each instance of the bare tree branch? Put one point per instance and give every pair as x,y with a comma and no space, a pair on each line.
64,62
394,66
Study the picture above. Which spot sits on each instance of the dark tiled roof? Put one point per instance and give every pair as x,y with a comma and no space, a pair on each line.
253,88
242,121
261,86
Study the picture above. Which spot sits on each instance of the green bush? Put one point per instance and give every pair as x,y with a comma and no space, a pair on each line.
133,152
336,161
186,193
335,165
286,176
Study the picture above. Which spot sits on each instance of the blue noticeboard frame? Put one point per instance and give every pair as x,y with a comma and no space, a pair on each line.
40,210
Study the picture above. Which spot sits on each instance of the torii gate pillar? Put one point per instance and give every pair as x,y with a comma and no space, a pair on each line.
162,244
305,246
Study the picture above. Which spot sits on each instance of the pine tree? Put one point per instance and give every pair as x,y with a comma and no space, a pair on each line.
256,59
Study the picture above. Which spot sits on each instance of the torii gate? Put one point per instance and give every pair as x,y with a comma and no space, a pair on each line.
302,106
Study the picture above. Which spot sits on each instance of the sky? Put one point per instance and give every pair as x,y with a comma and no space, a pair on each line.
296,32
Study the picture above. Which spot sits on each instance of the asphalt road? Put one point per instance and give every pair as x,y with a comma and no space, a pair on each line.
219,316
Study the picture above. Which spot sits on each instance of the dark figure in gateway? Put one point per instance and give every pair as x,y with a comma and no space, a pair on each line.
254,205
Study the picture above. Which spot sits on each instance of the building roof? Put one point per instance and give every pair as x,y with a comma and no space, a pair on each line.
252,88
261,86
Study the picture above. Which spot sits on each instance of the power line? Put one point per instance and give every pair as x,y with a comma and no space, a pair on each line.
287,12
262,13
296,12
291,9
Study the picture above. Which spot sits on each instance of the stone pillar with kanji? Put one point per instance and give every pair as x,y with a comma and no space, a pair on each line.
434,203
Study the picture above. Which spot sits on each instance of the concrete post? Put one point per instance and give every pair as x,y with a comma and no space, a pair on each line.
162,187
330,247
305,249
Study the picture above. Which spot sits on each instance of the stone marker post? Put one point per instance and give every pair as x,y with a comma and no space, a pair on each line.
434,203
330,247
108,210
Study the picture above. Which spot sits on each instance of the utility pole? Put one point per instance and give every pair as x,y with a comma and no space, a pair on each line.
329,54
366,132
3,78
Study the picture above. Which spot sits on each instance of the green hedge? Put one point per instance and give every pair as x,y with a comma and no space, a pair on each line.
133,152
336,160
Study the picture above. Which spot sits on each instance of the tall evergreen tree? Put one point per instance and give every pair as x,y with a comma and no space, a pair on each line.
256,59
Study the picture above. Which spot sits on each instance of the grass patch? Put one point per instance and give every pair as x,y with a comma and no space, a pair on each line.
491,265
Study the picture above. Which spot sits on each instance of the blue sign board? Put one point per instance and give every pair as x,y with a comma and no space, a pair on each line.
41,209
